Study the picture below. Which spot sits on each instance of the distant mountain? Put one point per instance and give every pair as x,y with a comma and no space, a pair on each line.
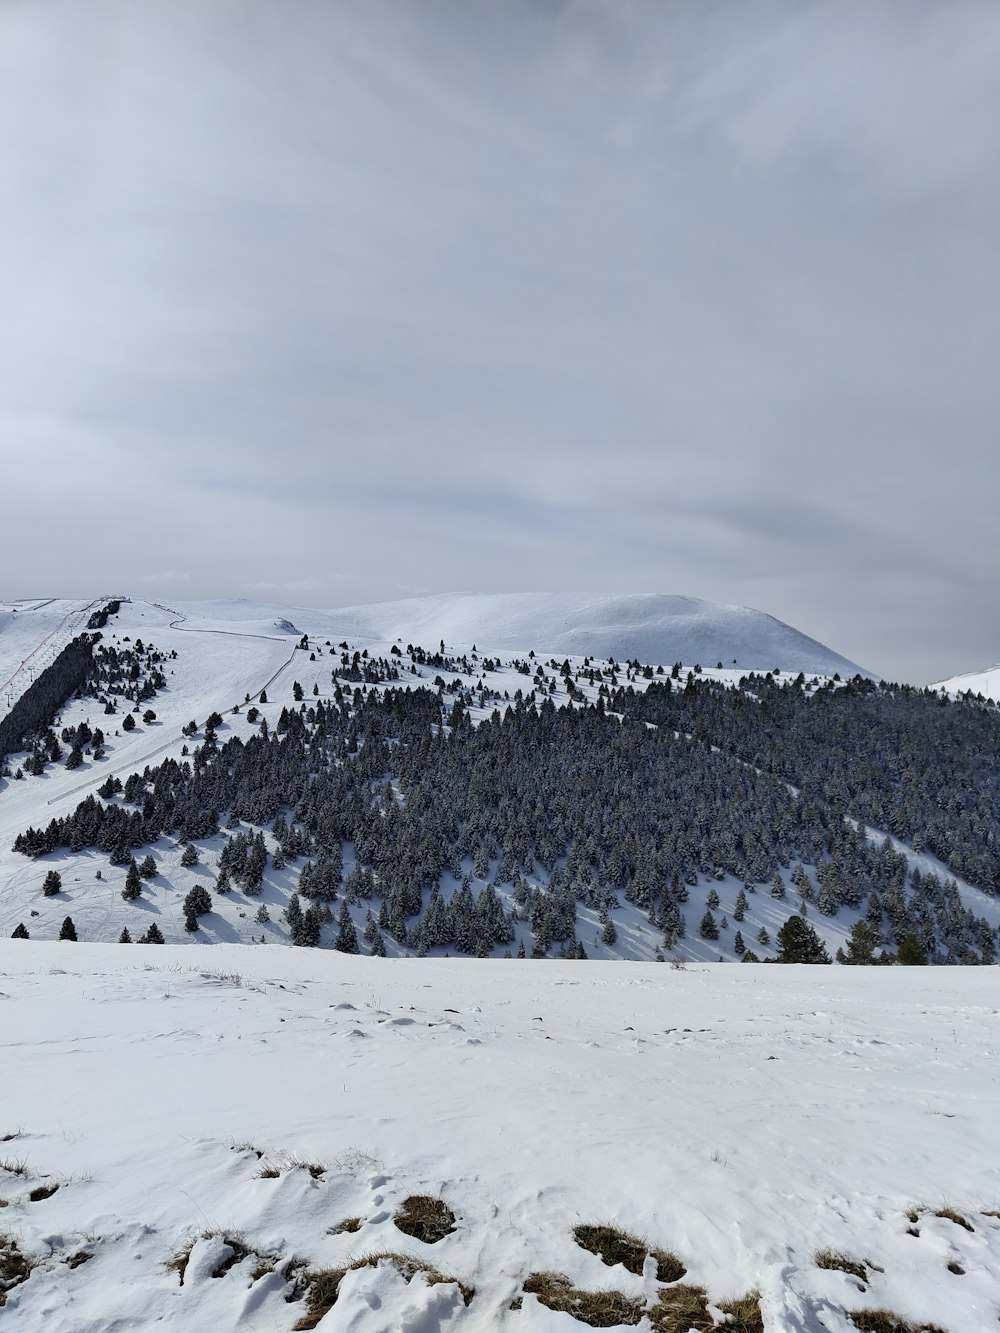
653,627
985,682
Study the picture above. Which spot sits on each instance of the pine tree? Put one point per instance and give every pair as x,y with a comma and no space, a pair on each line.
739,948
147,867
125,937
67,931
153,935
20,932
862,941
263,916
133,884
189,857
52,884
707,929
798,943
911,952
346,940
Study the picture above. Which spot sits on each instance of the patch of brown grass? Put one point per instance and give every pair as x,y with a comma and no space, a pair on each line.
323,1287
41,1192
744,1313
178,1262
345,1225
14,1166
425,1218
680,1309
839,1262
952,1215
15,1266
268,1172
599,1309
884,1321
946,1211
614,1246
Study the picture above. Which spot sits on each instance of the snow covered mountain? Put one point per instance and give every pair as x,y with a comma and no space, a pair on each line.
653,627
986,683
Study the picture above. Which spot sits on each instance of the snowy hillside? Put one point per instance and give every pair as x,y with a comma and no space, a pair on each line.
191,1146
248,667
652,627
986,683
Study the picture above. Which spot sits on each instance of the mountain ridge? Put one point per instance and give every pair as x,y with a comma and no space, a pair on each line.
653,627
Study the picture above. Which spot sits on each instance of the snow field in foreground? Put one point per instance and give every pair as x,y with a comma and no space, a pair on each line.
742,1118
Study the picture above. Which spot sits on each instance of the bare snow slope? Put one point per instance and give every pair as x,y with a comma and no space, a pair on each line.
744,1118
652,627
986,683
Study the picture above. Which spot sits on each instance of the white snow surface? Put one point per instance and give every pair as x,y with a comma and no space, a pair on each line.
652,627
986,683
744,1118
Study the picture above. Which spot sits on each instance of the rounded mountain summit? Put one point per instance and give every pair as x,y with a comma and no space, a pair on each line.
653,627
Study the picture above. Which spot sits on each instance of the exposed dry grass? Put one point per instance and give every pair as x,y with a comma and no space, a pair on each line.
41,1192
14,1166
288,1161
246,1145
15,1266
178,1262
425,1218
884,1321
680,1309
744,1313
599,1309
346,1224
323,1288
839,1262
953,1215
946,1211
614,1246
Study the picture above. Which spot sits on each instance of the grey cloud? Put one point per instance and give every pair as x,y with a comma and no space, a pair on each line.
696,298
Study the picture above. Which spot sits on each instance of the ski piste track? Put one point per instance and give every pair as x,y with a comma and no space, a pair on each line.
136,761
104,911
18,681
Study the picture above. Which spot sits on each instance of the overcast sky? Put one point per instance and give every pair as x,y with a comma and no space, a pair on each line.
335,301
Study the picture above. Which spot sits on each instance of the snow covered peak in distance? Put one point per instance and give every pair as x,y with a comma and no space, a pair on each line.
986,683
652,627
